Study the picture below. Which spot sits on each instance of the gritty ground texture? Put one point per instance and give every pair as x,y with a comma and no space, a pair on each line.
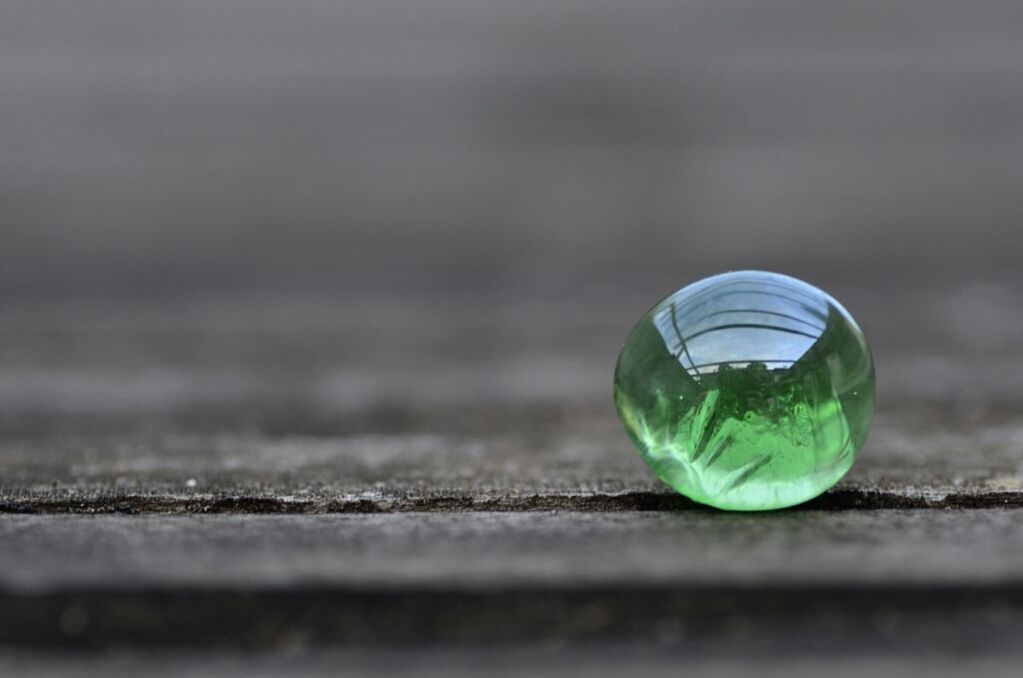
205,487
285,406
308,313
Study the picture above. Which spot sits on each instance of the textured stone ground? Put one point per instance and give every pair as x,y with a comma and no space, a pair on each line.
206,480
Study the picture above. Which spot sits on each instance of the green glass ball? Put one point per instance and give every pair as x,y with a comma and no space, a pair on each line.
747,391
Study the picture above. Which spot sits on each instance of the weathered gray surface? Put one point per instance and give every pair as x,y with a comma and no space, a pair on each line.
914,460
896,580
603,661
492,552
282,404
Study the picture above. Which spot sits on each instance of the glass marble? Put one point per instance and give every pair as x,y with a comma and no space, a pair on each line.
747,391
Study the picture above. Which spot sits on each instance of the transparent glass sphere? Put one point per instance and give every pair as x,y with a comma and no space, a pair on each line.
747,390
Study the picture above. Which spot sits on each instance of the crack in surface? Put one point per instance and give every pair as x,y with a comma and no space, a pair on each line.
845,499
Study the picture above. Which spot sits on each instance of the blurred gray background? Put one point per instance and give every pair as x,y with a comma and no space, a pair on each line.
366,206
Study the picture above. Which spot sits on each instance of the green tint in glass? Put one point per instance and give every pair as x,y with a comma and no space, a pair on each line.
747,390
